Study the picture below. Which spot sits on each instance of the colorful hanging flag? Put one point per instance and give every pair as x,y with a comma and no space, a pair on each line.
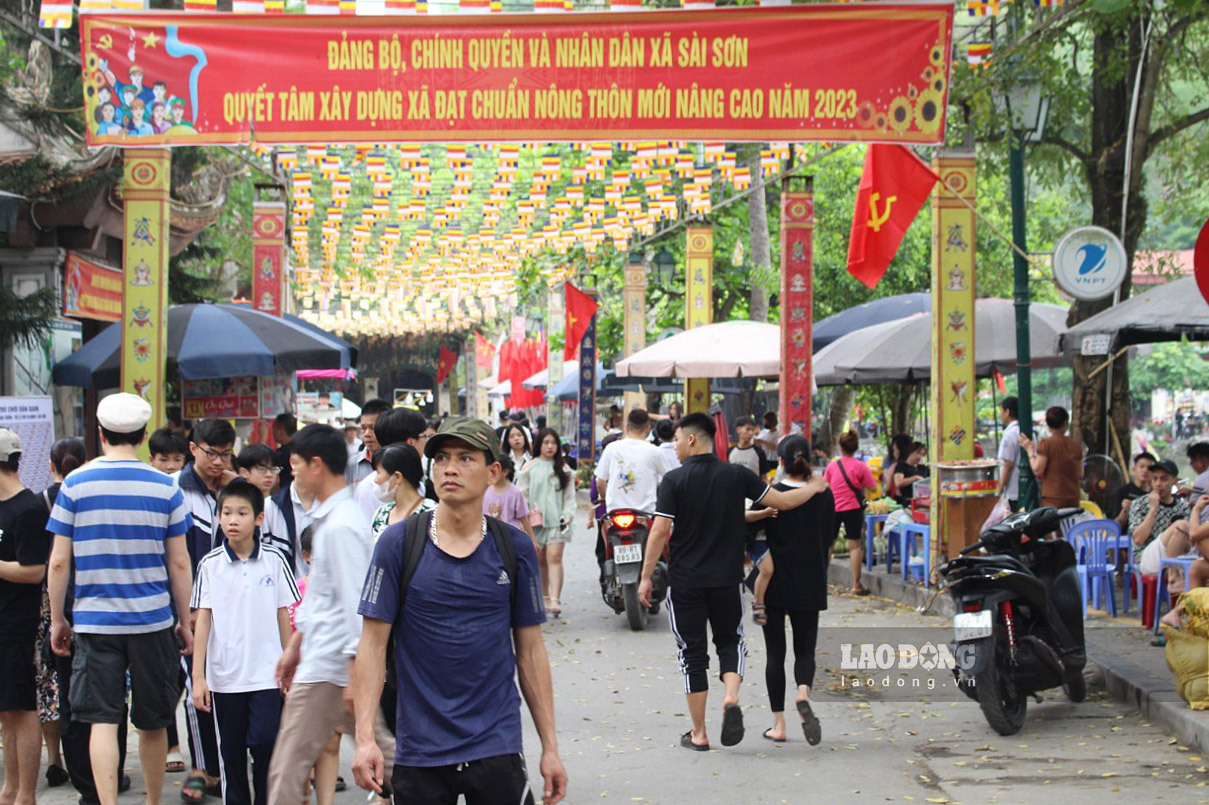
978,54
99,6
55,14
445,363
580,309
983,8
894,186
1047,3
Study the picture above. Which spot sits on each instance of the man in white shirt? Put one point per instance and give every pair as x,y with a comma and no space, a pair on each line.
630,469
629,472
1009,452
359,464
316,666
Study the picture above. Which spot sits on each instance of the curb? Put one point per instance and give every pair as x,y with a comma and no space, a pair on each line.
1124,681
1157,699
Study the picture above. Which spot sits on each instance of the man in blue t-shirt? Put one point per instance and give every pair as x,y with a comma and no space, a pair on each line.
458,734
121,524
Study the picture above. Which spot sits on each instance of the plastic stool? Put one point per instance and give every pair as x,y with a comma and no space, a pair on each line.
1150,586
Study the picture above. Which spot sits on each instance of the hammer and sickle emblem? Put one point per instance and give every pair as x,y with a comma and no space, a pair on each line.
876,220
105,42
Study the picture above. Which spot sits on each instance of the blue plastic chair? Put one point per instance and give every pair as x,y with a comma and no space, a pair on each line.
1092,541
1184,564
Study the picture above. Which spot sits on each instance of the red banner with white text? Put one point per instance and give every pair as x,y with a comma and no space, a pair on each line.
866,72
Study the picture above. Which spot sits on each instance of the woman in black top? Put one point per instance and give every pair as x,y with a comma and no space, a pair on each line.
907,472
799,540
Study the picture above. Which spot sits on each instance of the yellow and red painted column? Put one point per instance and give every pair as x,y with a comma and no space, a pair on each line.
144,352
953,389
699,301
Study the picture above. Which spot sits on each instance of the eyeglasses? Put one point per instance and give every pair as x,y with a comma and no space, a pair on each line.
268,470
225,455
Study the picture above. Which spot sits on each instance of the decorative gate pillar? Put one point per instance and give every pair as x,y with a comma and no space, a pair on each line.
797,300
953,389
699,299
635,323
587,390
470,364
144,356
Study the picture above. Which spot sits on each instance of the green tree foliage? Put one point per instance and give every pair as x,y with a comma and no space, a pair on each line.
1173,366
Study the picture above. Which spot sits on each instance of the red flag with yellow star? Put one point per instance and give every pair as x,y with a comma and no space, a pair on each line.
446,360
894,186
580,310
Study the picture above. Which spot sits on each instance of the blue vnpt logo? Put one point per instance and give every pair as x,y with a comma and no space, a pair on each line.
1092,258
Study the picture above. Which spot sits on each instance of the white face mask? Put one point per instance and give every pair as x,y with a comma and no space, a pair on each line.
383,492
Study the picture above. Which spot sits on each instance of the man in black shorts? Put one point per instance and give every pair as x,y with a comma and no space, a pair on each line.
121,524
24,546
705,498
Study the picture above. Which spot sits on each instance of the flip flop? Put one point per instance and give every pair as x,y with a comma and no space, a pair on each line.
861,591
768,737
175,764
810,723
686,740
732,724
194,789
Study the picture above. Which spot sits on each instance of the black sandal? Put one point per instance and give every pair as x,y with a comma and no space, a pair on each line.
686,740
810,723
758,614
194,789
732,725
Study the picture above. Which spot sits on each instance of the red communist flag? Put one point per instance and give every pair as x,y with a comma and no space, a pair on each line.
580,309
445,363
894,185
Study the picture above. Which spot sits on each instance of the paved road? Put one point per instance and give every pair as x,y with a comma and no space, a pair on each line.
620,711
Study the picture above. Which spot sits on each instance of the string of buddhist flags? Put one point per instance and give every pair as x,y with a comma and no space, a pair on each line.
420,238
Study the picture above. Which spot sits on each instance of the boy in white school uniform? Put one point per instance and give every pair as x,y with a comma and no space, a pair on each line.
242,593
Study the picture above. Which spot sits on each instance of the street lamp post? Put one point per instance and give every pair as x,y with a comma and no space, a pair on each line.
1026,109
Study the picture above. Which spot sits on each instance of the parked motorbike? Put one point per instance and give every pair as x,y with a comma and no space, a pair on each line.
625,536
1019,622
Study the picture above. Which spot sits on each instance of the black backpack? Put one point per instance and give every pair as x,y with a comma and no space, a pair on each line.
415,534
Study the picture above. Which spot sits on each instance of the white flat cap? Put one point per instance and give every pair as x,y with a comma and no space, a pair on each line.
123,412
10,444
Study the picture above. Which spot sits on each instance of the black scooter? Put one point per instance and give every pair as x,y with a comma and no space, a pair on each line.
625,534
1019,622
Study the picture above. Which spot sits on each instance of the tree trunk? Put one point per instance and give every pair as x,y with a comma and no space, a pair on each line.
842,398
761,254
1105,168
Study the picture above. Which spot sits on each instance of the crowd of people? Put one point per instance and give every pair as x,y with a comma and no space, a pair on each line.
204,574
269,587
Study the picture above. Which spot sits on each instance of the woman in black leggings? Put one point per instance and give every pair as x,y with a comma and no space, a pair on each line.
798,540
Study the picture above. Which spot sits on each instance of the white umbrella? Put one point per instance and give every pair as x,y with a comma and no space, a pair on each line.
901,350
502,390
349,409
728,349
540,380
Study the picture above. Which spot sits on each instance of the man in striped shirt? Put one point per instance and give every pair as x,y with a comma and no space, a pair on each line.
123,525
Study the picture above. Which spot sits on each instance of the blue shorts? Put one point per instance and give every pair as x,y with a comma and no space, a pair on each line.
757,549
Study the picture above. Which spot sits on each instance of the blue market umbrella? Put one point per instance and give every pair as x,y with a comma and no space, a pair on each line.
317,330
206,341
856,318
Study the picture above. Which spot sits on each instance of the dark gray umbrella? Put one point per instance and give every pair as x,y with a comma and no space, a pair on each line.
901,351
207,341
1168,312
856,318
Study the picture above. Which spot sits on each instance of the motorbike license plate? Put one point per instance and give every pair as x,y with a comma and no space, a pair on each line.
972,625
624,554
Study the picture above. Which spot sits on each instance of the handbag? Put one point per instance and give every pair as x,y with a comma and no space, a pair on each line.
860,496
535,518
